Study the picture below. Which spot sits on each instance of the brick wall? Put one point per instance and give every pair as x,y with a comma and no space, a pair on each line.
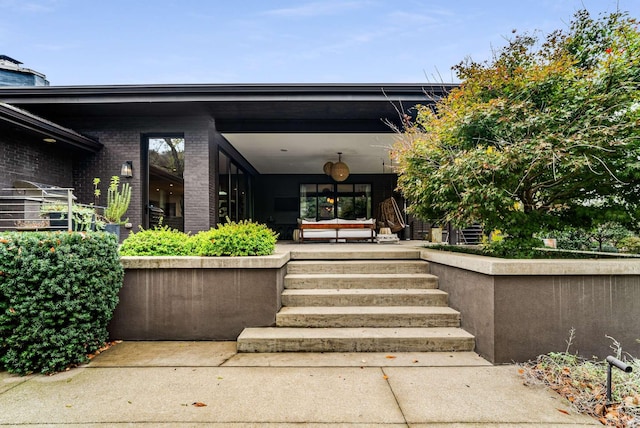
197,192
122,140
32,160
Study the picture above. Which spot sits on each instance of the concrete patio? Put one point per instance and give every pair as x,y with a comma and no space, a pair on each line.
157,384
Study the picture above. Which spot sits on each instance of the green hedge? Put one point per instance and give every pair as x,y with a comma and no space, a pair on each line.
244,238
58,291
159,241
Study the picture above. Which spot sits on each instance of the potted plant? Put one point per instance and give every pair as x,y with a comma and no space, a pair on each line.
83,218
57,214
118,199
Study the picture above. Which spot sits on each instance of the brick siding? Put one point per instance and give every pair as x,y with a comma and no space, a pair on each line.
24,159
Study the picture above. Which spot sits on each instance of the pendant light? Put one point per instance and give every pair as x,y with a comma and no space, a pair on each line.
339,170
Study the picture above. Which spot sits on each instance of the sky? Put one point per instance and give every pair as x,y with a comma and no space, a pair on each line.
104,42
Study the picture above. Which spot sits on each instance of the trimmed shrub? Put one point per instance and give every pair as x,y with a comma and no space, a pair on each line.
159,241
630,244
245,238
58,291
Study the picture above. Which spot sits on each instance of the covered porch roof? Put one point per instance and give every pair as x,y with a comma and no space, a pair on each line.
278,128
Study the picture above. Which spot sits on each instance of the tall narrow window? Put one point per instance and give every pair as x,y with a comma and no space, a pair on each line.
234,193
223,188
166,181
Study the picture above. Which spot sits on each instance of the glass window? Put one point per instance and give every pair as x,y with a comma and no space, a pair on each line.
234,193
327,201
166,181
223,188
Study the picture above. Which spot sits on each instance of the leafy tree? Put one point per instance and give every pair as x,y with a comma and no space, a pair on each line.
542,136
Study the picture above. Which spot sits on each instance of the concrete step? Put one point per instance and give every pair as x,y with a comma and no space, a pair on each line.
285,339
353,252
361,280
357,266
368,316
364,297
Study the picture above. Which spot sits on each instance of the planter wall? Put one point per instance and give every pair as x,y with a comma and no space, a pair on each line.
519,309
197,298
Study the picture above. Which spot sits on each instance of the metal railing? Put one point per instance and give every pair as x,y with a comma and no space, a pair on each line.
43,208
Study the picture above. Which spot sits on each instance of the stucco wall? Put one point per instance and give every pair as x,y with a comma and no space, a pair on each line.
518,310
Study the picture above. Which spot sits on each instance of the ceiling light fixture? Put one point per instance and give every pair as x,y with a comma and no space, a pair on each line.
339,170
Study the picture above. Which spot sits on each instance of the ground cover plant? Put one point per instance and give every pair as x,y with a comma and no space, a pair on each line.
542,137
607,240
58,291
583,383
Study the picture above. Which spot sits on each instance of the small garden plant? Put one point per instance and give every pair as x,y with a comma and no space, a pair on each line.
583,383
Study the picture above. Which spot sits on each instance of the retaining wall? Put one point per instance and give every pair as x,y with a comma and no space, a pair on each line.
519,309
197,298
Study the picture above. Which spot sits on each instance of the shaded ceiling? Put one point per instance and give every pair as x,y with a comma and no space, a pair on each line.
304,153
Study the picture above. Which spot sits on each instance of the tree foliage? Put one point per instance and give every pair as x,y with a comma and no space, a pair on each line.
544,135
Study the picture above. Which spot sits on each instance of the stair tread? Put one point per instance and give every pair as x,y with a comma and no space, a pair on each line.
359,291
356,262
360,275
293,333
347,253
363,310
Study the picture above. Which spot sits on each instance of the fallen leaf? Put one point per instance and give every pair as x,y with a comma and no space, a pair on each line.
199,404
385,377
563,411
390,357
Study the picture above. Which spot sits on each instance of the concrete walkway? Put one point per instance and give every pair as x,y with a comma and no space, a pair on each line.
157,384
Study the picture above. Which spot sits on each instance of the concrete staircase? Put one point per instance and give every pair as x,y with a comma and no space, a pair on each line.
360,304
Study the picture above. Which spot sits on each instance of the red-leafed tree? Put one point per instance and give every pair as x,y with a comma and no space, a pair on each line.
542,136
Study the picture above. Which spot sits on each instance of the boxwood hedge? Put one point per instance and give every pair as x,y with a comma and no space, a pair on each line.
58,291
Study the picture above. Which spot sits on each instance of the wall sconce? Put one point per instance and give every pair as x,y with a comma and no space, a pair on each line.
126,170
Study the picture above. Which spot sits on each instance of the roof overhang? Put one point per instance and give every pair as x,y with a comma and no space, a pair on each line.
247,114
19,120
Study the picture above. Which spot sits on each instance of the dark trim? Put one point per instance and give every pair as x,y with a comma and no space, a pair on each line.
47,129
226,92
